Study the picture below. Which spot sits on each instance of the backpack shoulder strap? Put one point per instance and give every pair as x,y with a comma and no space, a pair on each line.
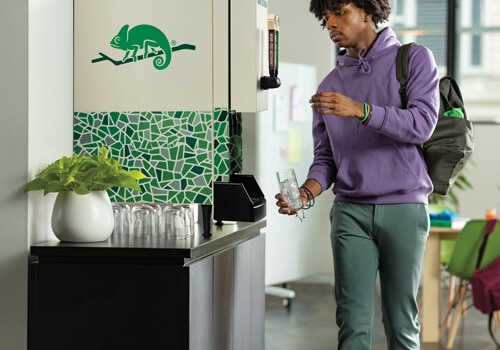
490,227
402,69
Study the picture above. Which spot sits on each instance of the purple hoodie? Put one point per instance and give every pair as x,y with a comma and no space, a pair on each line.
380,163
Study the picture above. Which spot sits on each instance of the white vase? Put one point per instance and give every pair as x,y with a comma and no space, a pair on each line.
82,218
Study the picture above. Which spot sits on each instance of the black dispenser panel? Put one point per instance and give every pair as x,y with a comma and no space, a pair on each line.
240,199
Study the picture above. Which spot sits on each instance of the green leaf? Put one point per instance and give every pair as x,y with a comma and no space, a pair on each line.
83,173
136,174
35,185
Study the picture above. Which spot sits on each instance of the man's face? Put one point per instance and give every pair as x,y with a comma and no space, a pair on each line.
347,25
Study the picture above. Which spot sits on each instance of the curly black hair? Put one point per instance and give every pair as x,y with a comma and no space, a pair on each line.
378,9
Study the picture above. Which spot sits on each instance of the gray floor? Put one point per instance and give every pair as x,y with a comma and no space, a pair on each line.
309,323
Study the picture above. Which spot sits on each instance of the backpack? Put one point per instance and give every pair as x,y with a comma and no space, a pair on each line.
452,142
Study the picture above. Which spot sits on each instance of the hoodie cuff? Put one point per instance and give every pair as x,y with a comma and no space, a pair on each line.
377,117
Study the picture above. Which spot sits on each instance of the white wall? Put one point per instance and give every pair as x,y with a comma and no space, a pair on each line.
277,139
484,173
294,249
50,100
36,112
301,38
13,157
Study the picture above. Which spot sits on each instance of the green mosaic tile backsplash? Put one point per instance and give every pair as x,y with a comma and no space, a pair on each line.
180,152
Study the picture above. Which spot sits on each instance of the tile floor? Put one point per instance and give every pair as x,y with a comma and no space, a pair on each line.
309,323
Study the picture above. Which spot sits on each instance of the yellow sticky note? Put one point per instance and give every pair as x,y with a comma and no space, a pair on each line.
294,145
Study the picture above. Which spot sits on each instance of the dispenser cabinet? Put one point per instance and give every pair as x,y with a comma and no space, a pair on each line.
240,199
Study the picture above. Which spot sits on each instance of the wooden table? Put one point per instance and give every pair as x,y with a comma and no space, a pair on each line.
431,282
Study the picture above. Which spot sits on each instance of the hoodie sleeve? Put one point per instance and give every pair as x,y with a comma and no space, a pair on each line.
416,122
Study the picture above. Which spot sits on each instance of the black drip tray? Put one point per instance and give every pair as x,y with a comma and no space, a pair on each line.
240,199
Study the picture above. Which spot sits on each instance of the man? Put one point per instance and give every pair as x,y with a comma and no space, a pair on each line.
366,143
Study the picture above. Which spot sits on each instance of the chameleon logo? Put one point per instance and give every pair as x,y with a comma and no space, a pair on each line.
146,39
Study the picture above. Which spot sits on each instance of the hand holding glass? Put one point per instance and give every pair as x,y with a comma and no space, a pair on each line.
289,188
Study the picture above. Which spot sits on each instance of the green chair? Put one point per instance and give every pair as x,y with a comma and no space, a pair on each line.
447,246
462,264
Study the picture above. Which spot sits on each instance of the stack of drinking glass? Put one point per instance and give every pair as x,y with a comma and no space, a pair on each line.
150,220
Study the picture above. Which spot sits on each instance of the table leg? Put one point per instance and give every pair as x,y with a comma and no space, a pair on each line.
431,290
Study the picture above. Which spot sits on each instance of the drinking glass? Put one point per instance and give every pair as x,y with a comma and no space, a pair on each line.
174,223
121,213
158,218
144,221
289,188
188,220
178,221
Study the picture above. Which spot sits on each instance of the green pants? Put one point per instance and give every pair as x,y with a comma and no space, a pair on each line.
390,240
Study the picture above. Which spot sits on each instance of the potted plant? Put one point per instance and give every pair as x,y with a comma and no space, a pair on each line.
82,211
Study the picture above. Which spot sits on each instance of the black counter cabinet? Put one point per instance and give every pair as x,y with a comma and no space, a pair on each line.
198,293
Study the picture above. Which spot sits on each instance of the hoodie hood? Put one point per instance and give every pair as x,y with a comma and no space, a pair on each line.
386,38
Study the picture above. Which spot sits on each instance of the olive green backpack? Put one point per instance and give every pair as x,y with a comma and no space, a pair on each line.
452,142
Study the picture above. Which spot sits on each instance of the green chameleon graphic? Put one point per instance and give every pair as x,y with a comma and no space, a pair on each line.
150,40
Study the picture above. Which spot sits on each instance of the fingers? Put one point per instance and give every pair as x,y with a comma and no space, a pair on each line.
335,103
325,102
283,206
324,97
